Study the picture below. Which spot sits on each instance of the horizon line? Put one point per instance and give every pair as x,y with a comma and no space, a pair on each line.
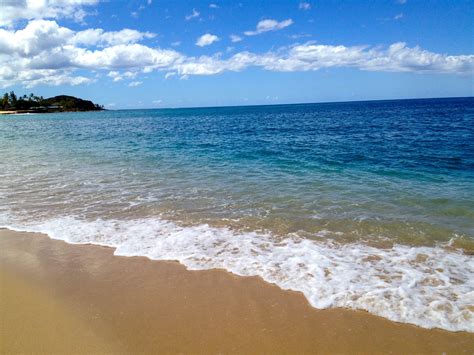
286,104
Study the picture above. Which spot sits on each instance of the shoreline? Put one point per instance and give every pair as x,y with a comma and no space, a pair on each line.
26,112
111,303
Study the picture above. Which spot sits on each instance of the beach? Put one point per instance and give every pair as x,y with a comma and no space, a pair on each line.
58,297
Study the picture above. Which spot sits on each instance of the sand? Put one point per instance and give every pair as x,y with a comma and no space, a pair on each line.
61,298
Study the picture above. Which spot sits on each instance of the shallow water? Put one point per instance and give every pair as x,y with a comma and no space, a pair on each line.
365,205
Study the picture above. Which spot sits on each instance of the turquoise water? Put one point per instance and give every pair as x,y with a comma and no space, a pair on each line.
365,205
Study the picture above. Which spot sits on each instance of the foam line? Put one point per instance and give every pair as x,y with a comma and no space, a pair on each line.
427,286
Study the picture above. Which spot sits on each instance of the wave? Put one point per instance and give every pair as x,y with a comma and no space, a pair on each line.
431,287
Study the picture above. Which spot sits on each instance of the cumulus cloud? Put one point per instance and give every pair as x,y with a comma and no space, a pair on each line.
124,56
213,6
135,83
304,6
269,25
194,14
310,57
15,10
206,40
45,53
398,57
398,17
235,38
97,36
38,36
211,65
118,76
30,78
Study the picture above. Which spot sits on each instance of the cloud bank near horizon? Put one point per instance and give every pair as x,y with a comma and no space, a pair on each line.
43,52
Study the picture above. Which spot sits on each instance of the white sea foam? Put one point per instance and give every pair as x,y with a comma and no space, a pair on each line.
426,286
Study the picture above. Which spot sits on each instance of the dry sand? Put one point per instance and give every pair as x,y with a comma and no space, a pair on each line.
63,298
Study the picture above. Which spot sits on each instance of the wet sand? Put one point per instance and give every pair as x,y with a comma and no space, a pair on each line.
57,297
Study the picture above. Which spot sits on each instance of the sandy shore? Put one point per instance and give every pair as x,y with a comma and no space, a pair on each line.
57,297
18,112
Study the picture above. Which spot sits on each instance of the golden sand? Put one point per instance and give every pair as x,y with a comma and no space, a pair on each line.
61,298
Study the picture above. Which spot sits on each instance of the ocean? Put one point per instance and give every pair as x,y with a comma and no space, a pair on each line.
362,205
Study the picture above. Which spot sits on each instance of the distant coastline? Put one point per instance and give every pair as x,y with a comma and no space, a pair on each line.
11,104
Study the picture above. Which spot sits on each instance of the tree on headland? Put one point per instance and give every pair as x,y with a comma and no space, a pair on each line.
5,101
13,99
38,104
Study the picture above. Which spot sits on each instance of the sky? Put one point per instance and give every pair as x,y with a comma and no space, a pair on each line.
129,54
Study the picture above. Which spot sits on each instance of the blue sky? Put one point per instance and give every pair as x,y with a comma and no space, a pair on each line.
152,53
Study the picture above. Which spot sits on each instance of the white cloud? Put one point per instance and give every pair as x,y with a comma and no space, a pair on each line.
176,44
194,14
206,40
309,57
130,56
33,77
235,38
38,36
45,53
304,6
213,6
115,75
300,35
135,83
398,17
97,36
118,76
157,102
206,65
169,74
269,25
396,58
15,10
